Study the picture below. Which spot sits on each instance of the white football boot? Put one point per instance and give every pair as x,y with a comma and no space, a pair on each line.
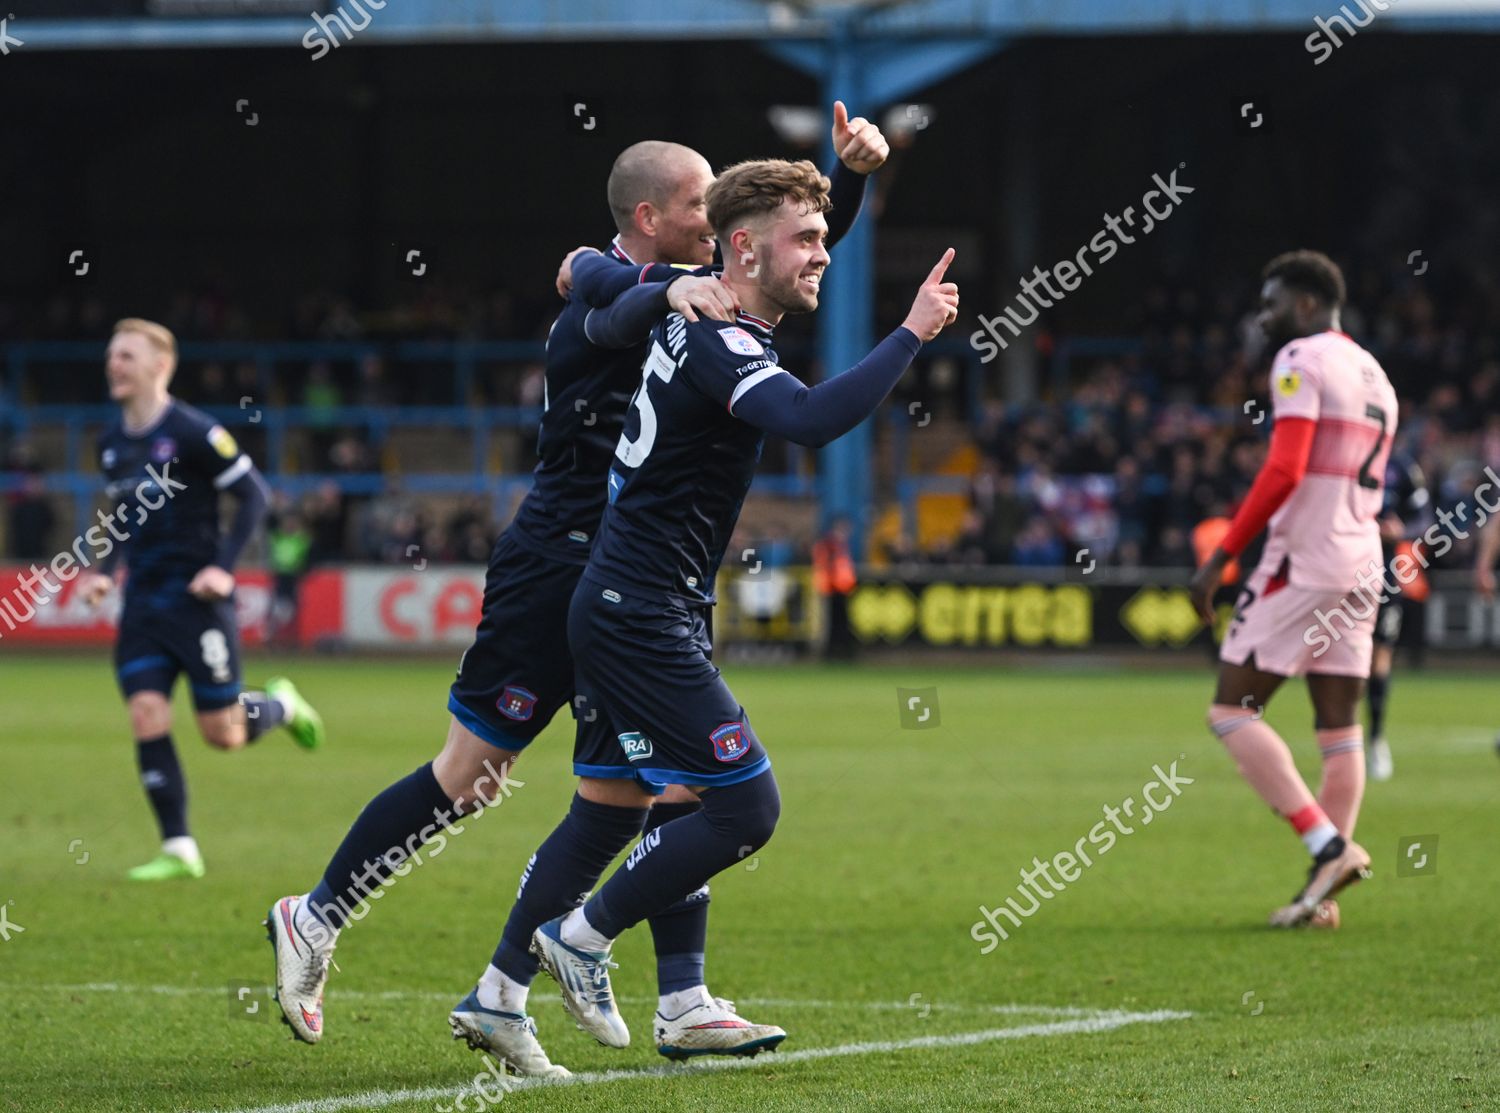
583,977
509,1037
713,1028
301,969
1378,759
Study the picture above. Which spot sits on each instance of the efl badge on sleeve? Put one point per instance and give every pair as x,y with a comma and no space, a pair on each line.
1288,381
741,342
223,442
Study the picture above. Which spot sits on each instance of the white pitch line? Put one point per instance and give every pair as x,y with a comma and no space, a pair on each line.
452,996
379,1099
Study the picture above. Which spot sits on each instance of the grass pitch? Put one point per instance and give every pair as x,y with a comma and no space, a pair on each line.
851,930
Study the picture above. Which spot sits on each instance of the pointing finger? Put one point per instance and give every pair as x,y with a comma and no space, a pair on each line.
942,266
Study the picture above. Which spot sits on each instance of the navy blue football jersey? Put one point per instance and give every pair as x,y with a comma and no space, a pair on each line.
587,389
163,489
1406,496
684,462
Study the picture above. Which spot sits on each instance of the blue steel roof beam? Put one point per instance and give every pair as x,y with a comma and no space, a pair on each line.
867,75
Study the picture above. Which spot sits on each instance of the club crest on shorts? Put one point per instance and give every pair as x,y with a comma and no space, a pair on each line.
516,703
729,742
741,342
636,745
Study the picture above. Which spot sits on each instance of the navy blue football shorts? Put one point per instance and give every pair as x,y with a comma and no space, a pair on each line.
667,717
518,673
199,638
1388,621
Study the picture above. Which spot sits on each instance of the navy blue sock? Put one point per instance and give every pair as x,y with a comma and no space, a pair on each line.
166,787
560,875
1378,689
393,821
681,931
262,713
735,821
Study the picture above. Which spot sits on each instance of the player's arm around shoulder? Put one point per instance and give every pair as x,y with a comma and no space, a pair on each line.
596,279
628,320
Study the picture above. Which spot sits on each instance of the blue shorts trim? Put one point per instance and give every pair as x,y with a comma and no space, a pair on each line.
619,773
141,664
214,697
483,729
648,775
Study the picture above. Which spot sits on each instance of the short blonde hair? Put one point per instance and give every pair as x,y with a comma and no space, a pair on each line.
158,336
749,189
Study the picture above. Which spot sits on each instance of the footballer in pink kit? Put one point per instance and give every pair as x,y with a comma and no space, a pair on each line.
1308,609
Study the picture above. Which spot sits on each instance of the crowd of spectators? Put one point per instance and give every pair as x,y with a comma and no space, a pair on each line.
1123,453
1144,444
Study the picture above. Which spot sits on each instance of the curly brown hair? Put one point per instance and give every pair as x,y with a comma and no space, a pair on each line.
749,189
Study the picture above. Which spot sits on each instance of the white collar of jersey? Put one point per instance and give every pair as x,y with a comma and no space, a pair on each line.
619,252
759,324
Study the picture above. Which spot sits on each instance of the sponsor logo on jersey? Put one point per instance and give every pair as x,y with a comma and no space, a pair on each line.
636,745
223,442
516,703
739,341
729,742
1289,381
163,449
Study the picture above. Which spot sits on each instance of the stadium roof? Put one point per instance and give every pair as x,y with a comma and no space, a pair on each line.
64,24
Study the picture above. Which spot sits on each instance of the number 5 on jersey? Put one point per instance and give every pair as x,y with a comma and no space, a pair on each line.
633,453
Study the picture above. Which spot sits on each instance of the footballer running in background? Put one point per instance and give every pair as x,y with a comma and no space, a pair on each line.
1486,552
178,614
1404,516
638,623
519,672
1301,612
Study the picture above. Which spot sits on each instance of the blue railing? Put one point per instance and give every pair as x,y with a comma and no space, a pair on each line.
461,362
